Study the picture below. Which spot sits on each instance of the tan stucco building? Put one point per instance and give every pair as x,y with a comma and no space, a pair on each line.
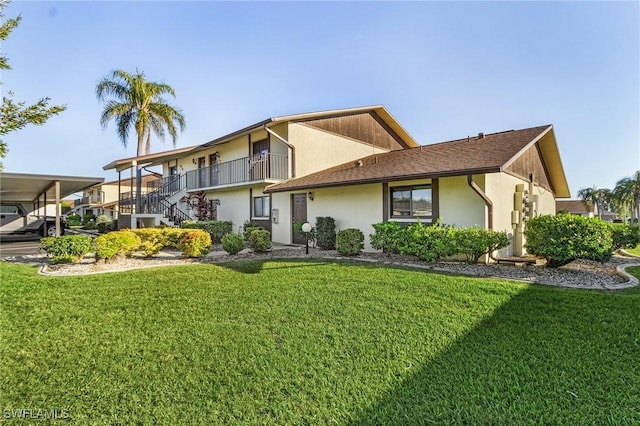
361,167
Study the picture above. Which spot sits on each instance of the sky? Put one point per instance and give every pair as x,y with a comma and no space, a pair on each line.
444,70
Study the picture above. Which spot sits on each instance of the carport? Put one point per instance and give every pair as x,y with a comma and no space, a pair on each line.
42,190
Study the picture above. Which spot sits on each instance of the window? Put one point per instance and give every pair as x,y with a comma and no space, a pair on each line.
261,207
411,201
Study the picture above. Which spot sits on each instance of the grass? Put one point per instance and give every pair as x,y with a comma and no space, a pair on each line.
304,342
634,251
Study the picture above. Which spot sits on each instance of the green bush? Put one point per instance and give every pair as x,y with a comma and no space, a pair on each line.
259,240
152,240
248,228
429,242
194,242
325,233
232,243
105,224
116,244
349,242
216,228
67,248
475,242
89,226
172,236
89,217
563,238
388,237
625,236
74,220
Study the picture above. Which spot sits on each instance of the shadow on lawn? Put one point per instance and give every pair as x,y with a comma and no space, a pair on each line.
547,357
256,266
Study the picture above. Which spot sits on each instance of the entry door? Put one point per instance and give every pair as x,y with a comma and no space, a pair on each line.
299,215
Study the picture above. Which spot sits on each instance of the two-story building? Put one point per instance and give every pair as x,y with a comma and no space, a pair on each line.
361,167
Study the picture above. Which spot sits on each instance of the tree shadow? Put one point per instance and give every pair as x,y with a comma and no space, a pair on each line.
541,358
258,265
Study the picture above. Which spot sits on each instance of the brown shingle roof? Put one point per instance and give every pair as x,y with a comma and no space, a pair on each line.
574,206
487,154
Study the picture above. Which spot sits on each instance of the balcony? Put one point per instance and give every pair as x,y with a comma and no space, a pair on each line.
256,168
96,198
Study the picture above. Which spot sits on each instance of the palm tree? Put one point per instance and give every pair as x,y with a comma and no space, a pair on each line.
134,102
599,197
628,190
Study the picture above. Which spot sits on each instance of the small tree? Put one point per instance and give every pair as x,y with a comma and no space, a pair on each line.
204,208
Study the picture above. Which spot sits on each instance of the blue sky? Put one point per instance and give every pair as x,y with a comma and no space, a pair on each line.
445,70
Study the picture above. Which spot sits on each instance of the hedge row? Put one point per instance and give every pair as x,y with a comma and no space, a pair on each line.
113,245
434,242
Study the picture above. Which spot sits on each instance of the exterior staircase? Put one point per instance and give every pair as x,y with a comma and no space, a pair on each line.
163,200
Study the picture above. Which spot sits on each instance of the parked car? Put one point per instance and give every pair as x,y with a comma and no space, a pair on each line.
15,219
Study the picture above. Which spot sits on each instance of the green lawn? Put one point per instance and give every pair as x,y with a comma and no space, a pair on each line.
314,342
634,251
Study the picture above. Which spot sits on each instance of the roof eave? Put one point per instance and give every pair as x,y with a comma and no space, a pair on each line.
274,187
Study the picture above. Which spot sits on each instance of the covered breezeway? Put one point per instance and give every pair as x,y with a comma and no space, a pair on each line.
42,190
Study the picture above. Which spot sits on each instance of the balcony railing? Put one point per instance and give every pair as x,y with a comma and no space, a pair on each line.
258,167
167,185
91,199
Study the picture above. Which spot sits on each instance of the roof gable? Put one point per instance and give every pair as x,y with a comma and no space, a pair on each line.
366,126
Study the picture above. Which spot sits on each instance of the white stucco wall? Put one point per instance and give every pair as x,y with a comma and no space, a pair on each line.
234,206
281,231
351,206
459,204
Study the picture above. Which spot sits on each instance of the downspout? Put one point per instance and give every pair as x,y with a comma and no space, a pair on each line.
486,199
291,147
488,203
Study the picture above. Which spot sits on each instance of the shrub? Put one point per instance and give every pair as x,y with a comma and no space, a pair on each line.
625,236
105,224
74,219
388,237
248,228
259,240
172,236
429,242
152,240
232,243
116,244
67,248
216,228
194,242
325,233
89,226
563,238
349,242
475,242
89,217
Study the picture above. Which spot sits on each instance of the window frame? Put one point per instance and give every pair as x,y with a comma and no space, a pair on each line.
253,207
411,189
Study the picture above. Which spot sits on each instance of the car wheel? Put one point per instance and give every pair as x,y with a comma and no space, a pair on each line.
51,230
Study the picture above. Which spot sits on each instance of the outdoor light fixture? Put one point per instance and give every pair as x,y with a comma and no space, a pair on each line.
306,228
310,195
